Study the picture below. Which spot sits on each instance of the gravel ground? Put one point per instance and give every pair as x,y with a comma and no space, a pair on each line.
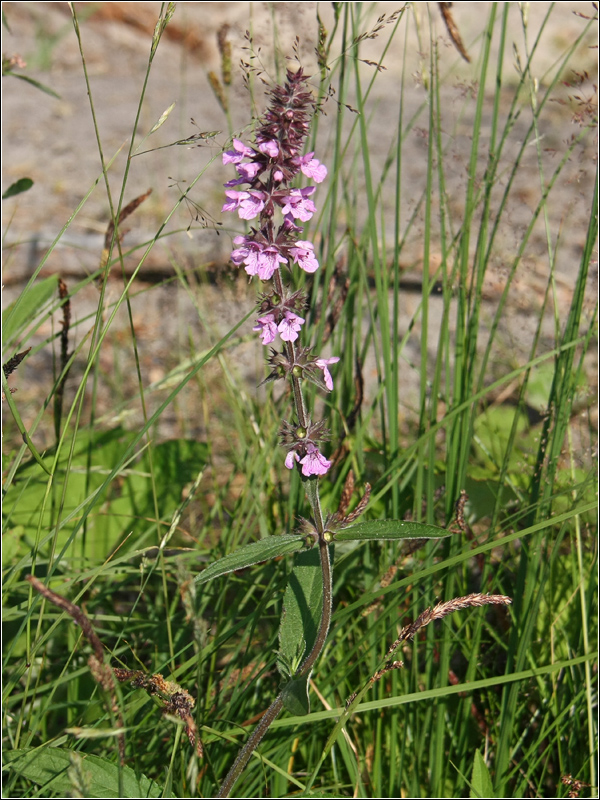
52,140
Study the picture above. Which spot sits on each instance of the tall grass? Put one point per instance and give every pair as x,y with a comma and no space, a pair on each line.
480,382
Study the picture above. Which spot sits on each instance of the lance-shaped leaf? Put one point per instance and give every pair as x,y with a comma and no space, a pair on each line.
270,547
389,529
302,605
481,780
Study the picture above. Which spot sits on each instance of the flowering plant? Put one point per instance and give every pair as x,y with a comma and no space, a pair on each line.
267,169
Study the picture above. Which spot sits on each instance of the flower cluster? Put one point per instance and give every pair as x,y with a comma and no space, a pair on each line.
300,443
263,192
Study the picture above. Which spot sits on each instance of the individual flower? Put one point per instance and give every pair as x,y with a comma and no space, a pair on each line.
267,327
239,255
270,147
291,459
259,259
247,204
312,168
264,262
298,205
303,255
239,152
248,171
323,363
313,462
290,326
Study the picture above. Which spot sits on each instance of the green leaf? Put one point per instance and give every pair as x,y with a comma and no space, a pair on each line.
390,529
295,697
268,548
42,87
302,605
18,187
481,782
23,311
56,769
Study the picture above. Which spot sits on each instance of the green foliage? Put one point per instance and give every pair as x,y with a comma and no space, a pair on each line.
271,547
302,605
389,530
124,508
18,187
28,309
65,772
163,510
481,782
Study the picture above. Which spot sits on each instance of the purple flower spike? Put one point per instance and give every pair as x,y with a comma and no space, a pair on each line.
262,188
323,363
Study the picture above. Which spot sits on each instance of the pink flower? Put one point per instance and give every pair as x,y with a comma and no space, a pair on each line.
241,254
234,182
323,363
267,328
247,204
239,152
303,255
248,171
291,459
259,259
252,205
263,261
312,168
298,205
269,148
313,462
290,326
233,201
